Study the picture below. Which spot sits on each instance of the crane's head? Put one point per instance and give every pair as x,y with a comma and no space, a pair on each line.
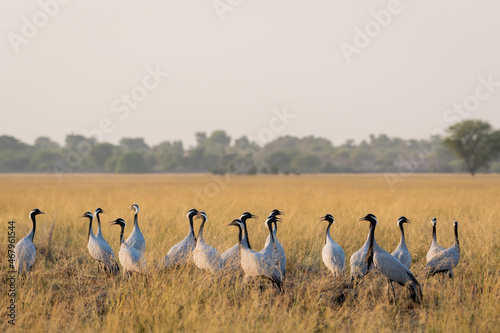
370,218
276,212
327,217
35,212
455,224
402,220
201,215
99,211
134,207
119,221
236,222
434,221
88,214
192,213
272,219
247,215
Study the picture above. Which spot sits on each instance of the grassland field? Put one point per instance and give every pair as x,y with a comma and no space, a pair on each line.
65,292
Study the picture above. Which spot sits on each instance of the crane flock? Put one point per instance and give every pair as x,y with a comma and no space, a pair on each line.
269,263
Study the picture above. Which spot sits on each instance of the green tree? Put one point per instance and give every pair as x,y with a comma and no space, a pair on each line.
475,142
101,153
131,162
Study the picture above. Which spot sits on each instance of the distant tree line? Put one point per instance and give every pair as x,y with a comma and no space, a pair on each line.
471,146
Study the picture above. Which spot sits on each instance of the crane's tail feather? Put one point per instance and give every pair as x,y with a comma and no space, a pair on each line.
277,281
416,293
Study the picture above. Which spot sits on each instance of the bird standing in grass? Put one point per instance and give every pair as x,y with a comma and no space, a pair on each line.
204,255
180,253
390,267
359,267
136,238
99,250
25,250
231,257
255,264
333,254
435,248
280,251
401,253
132,260
445,260
270,248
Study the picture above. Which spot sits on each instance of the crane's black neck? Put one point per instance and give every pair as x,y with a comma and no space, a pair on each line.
240,236
244,220
33,219
275,227
98,220
456,235
90,227
369,254
328,231
434,232
402,232
246,235
121,233
191,230
202,225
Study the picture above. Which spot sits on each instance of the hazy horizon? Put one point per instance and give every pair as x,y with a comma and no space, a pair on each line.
71,74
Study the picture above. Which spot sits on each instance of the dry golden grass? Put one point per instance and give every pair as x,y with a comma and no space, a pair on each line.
65,292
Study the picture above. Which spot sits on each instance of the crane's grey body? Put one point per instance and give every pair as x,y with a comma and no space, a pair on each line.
180,253
132,260
359,267
231,257
279,255
25,250
333,254
445,260
205,256
390,267
435,248
275,251
100,250
136,238
402,253
255,264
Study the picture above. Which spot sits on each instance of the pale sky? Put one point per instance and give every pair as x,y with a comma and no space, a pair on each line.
70,75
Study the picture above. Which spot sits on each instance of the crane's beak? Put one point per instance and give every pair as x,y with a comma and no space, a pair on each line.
233,222
253,216
363,219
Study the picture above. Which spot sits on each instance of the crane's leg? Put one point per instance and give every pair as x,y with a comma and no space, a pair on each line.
389,283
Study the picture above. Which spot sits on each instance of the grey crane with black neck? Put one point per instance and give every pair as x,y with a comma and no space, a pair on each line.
444,261
390,267
180,253
332,254
205,256
25,250
435,248
401,253
231,257
100,250
132,260
280,250
136,238
255,264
